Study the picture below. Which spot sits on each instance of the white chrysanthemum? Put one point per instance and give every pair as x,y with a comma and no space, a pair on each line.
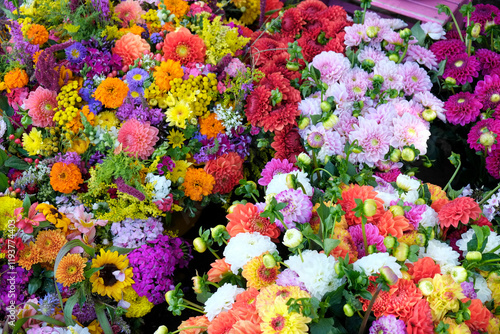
161,184
278,183
492,243
410,196
429,218
316,271
244,247
407,183
481,286
372,263
442,254
222,300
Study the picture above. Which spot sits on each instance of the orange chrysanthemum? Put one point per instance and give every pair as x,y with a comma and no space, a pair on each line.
16,78
111,92
460,210
423,268
479,315
219,270
50,243
167,71
257,275
348,202
70,269
393,225
247,218
37,34
198,183
29,256
36,55
210,126
177,7
184,47
65,177
199,321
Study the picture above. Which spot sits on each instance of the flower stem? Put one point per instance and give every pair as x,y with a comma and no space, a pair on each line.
369,309
214,253
457,26
199,307
488,195
365,240
453,176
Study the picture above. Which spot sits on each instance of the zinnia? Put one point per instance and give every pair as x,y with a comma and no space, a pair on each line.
184,47
130,47
138,139
37,34
111,92
40,104
65,177
461,209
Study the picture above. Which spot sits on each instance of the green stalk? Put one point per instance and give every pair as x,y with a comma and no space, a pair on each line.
457,26
453,176
485,198
365,241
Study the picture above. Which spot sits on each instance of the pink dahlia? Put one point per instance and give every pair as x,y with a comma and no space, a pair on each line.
488,91
493,163
462,68
462,108
410,130
130,47
422,56
486,131
483,14
227,171
373,138
129,11
138,139
415,79
460,210
489,60
449,47
298,208
331,65
275,167
40,104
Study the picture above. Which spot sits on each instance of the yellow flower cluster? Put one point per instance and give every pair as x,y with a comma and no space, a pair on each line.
139,306
7,206
152,21
67,101
155,96
251,10
202,88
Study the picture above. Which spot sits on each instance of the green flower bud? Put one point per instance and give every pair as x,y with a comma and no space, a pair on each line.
196,284
161,330
408,154
269,261
291,181
169,297
425,285
378,78
356,150
429,115
304,159
199,245
495,98
339,270
292,238
367,64
326,106
303,123
331,121
395,155
348,310
372,249
487,139
394,57
397,210
421,239
474,256
405,33
217,231
369,207
372,31
388,275
389,241
401,252
292,66
450,81
476,30
459,274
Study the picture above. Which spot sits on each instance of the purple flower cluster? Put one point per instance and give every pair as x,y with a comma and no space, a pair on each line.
28,49
212,148
154,265
468,290
71,158
86,313
139,112
86,93
288,277
388,324
96,158
102,6
415,213
133,233
166,162
155,38
98,62
18,279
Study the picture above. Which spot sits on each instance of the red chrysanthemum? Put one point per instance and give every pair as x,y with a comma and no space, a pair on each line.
393,225
278,64
310,9
488,91
287,144
484,127
138,139
312,29
222,323
227,171
348,202
423,268
292,22
420,320
493,163
310,47
246,218
461,209
336,44
462,108
449,47
332,28
489,60
479,315
265,48
272,6
462,68
184,47
333,14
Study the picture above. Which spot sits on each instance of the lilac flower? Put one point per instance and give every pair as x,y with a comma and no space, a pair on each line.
289,277
388,324
140,112
96,158
415,214
133,233
76,52
468,290
102,7
136,77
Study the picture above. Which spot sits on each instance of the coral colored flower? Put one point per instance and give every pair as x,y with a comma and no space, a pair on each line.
210,126
65,177
479,315
70,269
111,92
199,321
16,78
184,47
129,11
167,71
219,270
247,218
198,183
420,320
393,225
222,323
227,171
423,268
50,243
130,47
37,34
461,209
138,139
348,202
34,218
40,105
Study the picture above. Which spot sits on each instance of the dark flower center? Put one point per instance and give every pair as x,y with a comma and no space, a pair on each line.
107,274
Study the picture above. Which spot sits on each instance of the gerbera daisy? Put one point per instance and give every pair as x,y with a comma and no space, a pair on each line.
37,34
210,126
166,72
29,256
40,105
277,319
488,91
75,52
176,138
348,202
111,92
178,114
65,178
184,47
257,274
138,139
50,242
114,277
198,183
462,68
462,108
70,269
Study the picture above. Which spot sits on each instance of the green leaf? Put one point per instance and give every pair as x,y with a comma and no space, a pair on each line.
365,294
4,182
3,157
16,163
103,320
34,285
419,33
323,326
120,250
10,128
40,317
68,308
330,244
91,271
26,204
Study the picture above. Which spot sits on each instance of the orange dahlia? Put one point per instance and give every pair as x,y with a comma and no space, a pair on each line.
222,324
167,71
198,183
29,256
420,321
227,171
16,78
393,225
348,203
246,218
65,177
130,47
111,92
199,321
37,34
177,7
210,126
423,268
50,243
70,269
184,47
220,269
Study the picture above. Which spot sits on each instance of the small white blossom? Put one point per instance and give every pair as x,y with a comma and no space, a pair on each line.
372,263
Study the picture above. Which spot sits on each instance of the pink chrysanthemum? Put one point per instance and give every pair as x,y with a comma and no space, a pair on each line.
483,14
493,163
390,71
488,91
40,105
354,35
462,108
371,53
449,47
462,68
373,237
373,138
410,130
489,60
345,124
430,101
310,106
129,11
138,139
298,209
486,127
331,65
422,56
327,140
275,167
356,82
415,79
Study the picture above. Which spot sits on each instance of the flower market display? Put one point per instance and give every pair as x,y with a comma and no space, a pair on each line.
354,160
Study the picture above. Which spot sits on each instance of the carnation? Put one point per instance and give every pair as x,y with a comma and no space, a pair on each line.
244,247
222,300
442,254
372,263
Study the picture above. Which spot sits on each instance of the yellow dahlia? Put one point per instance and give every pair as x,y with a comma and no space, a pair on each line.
114,277
257,275
445,296
277,319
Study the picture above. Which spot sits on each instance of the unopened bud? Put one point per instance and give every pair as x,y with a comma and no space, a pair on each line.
421,239
326,106
395,155
372,31
315,139
405,33
372,249
405,274
429,115
339,270
378,78
397,210
348,310
476,30
459,274
389,241
388,275
487,139
367,64
199,245
420,201
474,256
161,330
356,150
394,57
304,159
169,297
401,252
370,207
425,285
231,208
450,80
495,97
291,181
269,261
331,122
303,123
292,238
196,284
408,154
217,231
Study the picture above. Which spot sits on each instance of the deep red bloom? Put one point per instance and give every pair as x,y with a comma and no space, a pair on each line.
278,64
264,49
311,8
227,171
292,22
287,144
460,210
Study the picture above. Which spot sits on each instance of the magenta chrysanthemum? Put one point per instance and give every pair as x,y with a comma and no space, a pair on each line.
415,79
493,163
138,139
462,108
488,129
445,49
40,105
489,60
462,68
298,209
483,14
488,91
373,237
331,65
373,138
275,167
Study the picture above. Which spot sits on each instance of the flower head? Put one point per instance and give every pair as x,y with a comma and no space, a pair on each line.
111,92
245,246
130,47
65,178
40,105
298,207
488,91
247,218
460,210
129,11
50,243
388,324
222,300
70,269
198,183
37,34
184,47
257,274
138,139
447,48
136,77
115,275
227,171
462,108
166,72
462,68
493,163
75,53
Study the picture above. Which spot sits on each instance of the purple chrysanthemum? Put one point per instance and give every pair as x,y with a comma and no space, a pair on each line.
373,237
462,68
17,278
447,48
462,108
298,208
415,213
415,79
373,138
493,163
76,52
468,290
483,14
275,167
388,324
288,277
488,91
136,77
489,60
486,128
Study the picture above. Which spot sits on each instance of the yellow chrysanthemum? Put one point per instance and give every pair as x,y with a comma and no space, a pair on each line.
139,306
54,216
50,243
7,206
70,269
277,319
107,120
114,277
257,275
33,142
179,170
176,138
445,296
179,114
456,328
270,293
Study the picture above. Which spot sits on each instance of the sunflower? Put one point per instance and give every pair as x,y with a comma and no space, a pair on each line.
70,269
65,177
176,138
210,126
50,243
179,170
198,183
115,275
111,92
167,71
29,256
